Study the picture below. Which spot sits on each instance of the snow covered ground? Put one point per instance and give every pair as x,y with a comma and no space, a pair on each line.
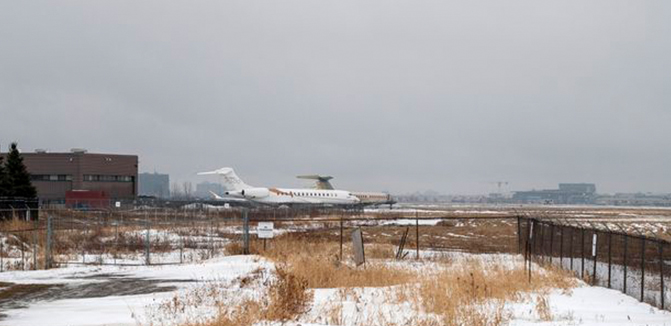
172,295
99,295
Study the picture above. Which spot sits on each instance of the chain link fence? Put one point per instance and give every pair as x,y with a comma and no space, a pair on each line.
189,233
634,264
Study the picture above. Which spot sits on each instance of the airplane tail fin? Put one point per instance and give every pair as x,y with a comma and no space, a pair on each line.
230,179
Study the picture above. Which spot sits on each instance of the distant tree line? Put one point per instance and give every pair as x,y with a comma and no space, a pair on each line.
14,177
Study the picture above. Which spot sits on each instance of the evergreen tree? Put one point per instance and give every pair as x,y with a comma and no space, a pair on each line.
4,184
17,175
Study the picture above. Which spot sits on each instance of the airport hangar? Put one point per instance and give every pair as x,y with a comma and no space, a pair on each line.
79,174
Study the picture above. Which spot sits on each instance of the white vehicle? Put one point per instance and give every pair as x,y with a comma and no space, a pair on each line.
280,196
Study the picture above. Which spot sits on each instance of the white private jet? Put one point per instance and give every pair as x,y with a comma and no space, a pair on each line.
280,196
365,198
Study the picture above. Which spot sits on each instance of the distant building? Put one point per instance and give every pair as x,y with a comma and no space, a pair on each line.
203,189
568,193
635,199
55,174
154,184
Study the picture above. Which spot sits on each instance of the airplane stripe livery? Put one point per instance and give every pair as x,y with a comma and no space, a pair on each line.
280,196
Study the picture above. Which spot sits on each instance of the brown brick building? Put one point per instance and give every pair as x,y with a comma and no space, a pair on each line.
53,174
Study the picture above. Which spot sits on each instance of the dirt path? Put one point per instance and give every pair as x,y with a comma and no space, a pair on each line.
15,296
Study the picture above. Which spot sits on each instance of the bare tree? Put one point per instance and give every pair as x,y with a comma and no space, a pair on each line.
176,190
187,189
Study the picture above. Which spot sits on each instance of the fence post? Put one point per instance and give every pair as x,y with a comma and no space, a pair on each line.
245,232
552,237
582,254
661,271
595,255
530,240
561,246
626,238
642,268
417,232
36,227
541,242
341,235
210,243
571,249
146,242
610,257
116,240
519,236
526,242
23,256
2,255
48,249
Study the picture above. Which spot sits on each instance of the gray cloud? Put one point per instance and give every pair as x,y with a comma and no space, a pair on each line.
399,96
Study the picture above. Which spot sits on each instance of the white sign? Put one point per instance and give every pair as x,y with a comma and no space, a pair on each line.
265,230
117,204
594,245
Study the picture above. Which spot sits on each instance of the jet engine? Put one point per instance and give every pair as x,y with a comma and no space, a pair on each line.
255,193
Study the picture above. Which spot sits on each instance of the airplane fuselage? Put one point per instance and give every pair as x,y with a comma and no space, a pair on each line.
295,196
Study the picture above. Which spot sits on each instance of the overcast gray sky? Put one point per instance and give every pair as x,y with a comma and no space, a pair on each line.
384,95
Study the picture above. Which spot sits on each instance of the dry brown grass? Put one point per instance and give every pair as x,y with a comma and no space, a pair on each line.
543,307
459,295
288,296
248,313
474,293
15,225
318,263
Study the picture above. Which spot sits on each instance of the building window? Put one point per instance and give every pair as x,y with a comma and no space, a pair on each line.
51,177
107,178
